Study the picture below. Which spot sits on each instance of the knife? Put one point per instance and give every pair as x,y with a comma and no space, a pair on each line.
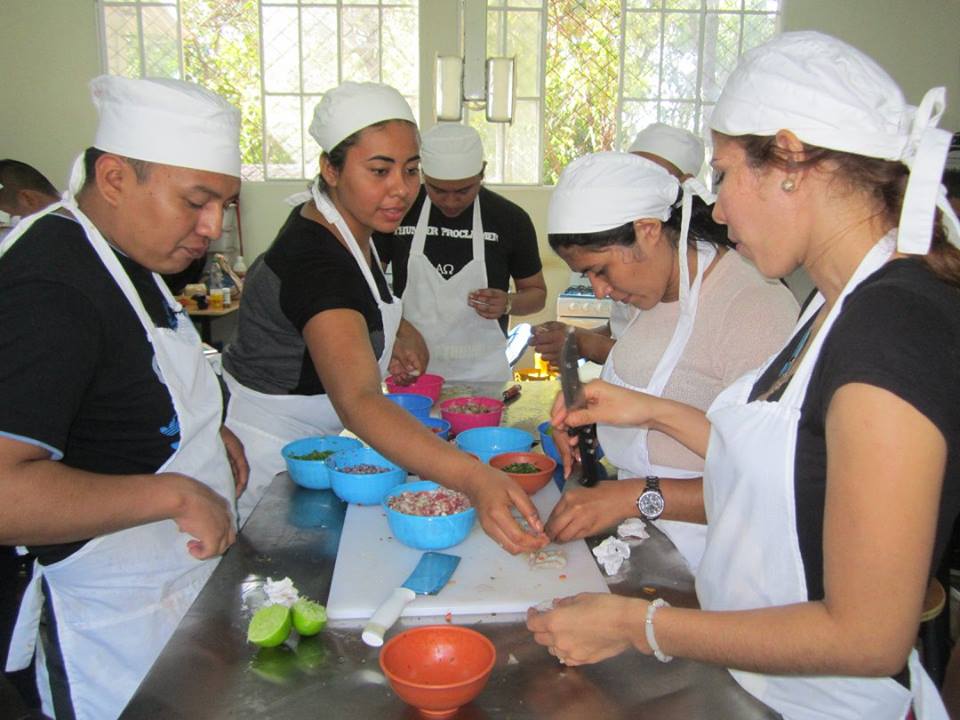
575,398
428,578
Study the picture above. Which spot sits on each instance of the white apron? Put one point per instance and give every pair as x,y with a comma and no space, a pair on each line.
753,558
119,598
626,447
265,423
463,346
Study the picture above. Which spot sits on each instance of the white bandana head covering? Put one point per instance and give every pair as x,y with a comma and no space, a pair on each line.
165,121
353,106
451,151
680,147
831,95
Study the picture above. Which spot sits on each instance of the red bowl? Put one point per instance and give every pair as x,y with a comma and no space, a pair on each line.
530,482
438,668
426,384
460,421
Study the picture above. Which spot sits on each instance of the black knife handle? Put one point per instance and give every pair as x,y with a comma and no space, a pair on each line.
587,442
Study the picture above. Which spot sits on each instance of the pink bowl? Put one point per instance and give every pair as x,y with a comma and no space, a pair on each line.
459,421
427,384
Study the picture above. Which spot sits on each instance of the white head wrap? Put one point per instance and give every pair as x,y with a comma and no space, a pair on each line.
680,147
165,121
451,151
353,106
831,95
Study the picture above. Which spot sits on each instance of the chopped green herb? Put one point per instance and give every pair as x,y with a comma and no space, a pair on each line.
314,455
523,468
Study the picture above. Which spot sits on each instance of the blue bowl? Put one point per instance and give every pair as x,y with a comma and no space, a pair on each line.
551,451
312,474
362,488
440,426
417,405
427,532
485,442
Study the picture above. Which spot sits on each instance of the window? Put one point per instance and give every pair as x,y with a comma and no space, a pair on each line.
597,72
273,59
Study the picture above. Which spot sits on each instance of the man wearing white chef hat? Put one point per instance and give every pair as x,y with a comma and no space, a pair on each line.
453,256
114,468
680,153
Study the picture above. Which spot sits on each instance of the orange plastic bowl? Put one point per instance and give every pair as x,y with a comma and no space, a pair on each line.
530,482
426,384
438,668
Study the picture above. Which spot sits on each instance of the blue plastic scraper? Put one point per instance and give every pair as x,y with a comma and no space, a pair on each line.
428,578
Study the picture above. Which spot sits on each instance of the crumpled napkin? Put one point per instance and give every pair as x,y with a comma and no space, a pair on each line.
280,592
633,528
611,553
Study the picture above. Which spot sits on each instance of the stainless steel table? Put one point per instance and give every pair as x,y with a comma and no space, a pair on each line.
208,671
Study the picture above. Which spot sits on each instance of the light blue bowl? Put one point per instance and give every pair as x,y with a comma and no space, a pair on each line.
551,451
417,405
440,426
424,532
312,474
362,489
485,442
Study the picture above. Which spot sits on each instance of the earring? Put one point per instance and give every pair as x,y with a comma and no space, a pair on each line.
788,185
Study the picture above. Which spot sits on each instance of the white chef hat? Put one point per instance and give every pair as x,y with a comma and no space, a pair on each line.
678,146
831,95
167,121
605,190
451,151
353,106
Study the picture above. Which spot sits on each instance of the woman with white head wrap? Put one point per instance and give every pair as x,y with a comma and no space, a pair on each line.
318,323
702,318
830,482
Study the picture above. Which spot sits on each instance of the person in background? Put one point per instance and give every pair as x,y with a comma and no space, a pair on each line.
832,474
24,190
115,470
704,316
680,153
453,257
318,324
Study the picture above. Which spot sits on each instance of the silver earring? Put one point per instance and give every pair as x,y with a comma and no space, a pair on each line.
788,185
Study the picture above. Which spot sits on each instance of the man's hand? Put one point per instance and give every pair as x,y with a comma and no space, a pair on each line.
547,339
238,459
489,303
202,514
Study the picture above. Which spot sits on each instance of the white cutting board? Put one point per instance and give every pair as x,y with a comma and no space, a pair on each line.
371,563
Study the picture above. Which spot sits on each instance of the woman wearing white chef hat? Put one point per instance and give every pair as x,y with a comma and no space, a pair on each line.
114,467
831,477
318,327
703,317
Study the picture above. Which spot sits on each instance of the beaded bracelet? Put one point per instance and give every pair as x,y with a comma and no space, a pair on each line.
651,640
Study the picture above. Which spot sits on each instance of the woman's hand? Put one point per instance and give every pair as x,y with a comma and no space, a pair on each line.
494,495
589,627
607,404
238,459
582,512
410,355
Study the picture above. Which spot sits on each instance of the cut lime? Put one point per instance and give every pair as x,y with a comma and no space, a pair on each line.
309,617
270,626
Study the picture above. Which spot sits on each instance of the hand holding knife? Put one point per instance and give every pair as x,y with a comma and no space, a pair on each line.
575,398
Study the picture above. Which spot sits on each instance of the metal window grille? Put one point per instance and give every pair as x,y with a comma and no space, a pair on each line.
273,59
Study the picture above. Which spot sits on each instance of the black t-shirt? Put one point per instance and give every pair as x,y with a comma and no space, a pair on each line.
304,272
510,242
77,373
900,331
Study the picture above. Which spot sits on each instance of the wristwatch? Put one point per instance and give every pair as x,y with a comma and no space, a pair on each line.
650,502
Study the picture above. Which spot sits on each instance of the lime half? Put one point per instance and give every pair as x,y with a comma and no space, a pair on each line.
309,617
270,626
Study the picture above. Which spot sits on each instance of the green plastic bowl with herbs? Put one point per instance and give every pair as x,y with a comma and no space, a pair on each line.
306,458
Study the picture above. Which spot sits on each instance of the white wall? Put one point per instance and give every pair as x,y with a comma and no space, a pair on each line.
49,51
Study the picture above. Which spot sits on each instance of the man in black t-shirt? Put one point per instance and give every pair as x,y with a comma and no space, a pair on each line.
453,257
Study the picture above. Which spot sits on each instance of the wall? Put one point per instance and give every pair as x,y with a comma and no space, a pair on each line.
49,51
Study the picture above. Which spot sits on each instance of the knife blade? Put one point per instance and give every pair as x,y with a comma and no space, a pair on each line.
429,577
575,399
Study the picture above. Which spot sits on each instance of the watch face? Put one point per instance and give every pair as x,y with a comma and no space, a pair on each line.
650,504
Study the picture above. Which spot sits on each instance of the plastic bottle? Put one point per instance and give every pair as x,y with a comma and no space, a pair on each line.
240,267
215,287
